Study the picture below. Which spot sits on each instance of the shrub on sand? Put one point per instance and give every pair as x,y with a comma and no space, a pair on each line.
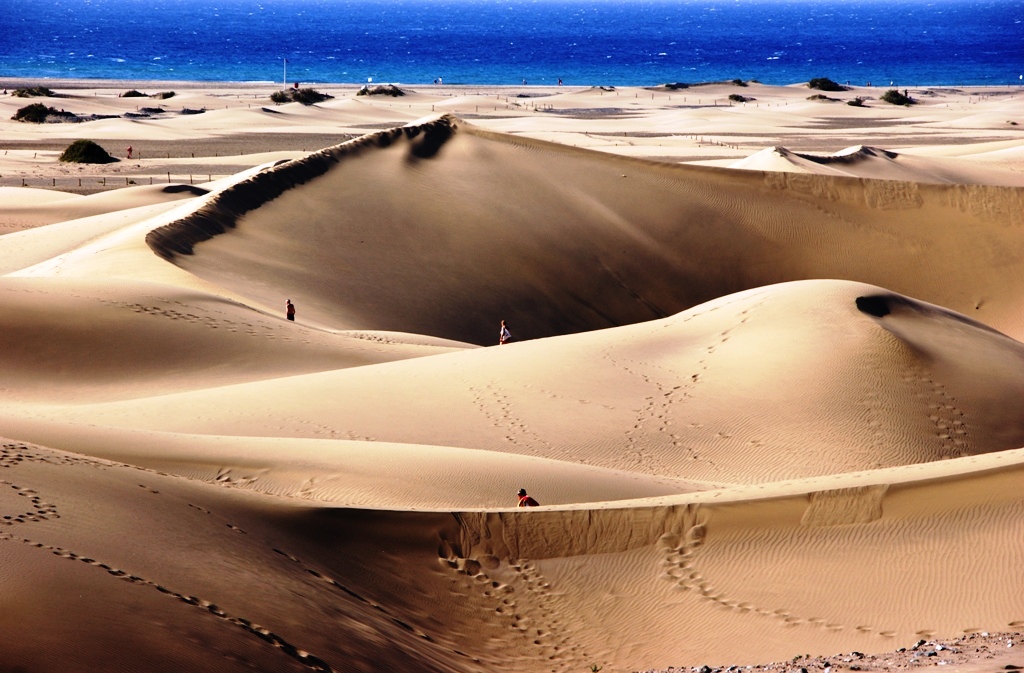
34,92
739,82
738,98
132,93
896,98
857,102
825,84
382,90
820,96
163,95
304,96
86,152
37,113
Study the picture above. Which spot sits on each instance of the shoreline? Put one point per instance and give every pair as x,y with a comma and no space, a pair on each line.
107,83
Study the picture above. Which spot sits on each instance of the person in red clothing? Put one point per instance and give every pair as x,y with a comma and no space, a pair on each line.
525,500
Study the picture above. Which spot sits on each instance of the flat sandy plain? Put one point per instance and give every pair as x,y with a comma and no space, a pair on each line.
766,380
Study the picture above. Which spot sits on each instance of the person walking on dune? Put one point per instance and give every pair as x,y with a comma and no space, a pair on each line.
525,500
504,336
289,309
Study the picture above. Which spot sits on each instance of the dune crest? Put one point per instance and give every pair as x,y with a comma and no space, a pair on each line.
223,210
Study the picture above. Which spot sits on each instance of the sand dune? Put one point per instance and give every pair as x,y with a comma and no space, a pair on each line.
254,582
21,213
660,398
767,412
637,234
879,164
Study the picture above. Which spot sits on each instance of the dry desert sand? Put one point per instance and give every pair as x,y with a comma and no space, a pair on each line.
766,381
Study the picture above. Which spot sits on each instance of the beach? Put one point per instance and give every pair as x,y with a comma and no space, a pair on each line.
764,378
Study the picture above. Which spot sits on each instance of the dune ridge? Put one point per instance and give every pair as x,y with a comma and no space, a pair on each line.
222,212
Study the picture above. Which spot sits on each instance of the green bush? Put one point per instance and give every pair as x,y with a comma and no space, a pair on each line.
856,102
304,96
738,98
381,90
37,113
163,95
132,93
739,82
825,84
86,152
896,98
820,96
34,92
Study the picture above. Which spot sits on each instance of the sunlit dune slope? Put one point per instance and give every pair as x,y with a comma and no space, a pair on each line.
87,341
18,212
120,568
794,380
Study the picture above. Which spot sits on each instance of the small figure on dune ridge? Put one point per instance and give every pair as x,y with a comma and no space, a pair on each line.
526,500
504,336
289,309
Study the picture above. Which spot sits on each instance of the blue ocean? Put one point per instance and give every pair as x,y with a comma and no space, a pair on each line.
581,42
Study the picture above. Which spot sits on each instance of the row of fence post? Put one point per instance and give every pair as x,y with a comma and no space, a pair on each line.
128,181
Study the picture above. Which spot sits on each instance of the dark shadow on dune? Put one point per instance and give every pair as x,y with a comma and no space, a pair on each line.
223,211
861,154
191,189
428,140
876,306
880,306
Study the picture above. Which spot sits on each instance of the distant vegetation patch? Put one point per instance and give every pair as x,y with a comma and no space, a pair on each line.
192,111
821,96
304,96
739,82
37,113
381,90
34,92
825,84
857,102
677,85
144,112
737,98
163,95
86,152
896,98
132,93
